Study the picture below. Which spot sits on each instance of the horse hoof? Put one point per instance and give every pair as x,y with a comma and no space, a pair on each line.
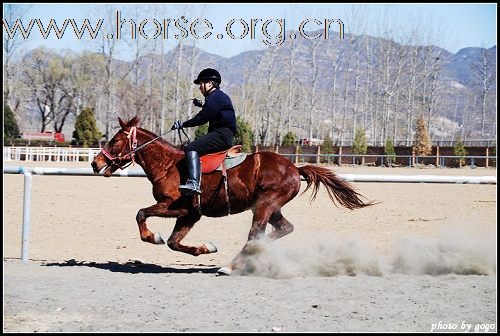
158,238
224,271
211,247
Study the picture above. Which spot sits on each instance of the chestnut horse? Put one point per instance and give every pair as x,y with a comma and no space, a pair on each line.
264,182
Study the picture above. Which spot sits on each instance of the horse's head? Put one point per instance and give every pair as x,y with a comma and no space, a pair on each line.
115,154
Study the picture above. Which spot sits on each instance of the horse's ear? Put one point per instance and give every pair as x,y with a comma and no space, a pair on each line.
134,121
122,124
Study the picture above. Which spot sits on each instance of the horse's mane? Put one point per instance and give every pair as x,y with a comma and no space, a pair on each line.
164,142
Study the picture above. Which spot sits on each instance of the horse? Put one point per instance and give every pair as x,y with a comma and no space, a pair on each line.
263,182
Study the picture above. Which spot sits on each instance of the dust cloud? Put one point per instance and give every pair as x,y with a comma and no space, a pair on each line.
452,251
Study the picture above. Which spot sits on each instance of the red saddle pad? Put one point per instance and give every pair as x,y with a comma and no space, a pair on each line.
211,162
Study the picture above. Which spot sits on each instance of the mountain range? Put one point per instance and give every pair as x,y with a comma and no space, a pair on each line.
456,77
454,67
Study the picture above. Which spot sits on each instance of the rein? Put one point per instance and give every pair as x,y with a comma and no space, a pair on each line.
185,134
132,137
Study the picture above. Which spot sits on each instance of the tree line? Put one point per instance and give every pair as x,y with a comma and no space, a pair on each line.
87,134
376,86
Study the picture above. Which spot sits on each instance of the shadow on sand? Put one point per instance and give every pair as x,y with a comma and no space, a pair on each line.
135,266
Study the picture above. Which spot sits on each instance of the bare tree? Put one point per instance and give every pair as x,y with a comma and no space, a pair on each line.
411,88
313,48
395,62
268,66
367,107
13,16
413,73
192,59
334,59
347,76
53,91
483,82
432,93
432,60
468,120
108,46
137,44
285,121
358,18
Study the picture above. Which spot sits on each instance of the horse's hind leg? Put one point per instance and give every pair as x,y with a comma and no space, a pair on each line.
281,224
181,229
276,219
261,215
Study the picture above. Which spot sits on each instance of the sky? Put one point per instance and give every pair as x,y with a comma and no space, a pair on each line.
451,26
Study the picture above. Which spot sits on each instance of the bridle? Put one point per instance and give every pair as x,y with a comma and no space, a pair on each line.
132,143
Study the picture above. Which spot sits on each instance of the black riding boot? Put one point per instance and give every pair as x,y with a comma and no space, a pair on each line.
194,168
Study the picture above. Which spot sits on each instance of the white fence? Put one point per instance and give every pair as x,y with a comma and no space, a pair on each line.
69,154
56,154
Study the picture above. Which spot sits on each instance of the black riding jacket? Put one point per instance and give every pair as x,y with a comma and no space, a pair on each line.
218,111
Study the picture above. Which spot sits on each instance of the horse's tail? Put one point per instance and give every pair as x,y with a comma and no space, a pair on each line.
337,189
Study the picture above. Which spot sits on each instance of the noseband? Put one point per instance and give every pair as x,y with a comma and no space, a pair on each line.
132,142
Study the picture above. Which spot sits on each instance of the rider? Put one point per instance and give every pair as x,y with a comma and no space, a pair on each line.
218,111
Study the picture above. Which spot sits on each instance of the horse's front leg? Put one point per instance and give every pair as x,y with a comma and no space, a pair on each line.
182,227
158,210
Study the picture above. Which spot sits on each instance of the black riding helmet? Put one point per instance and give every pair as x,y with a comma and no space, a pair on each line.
208,74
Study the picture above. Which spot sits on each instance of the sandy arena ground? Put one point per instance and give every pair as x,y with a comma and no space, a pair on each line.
423,259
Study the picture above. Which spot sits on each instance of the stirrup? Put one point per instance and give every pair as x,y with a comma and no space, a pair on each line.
189,188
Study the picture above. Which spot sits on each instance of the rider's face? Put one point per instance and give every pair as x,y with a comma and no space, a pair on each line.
205,86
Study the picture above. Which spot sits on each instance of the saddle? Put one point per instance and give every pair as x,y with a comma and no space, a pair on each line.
222,160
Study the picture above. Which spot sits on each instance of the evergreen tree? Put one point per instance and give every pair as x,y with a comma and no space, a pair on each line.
244,135
389,150
86,132
423,144
10,127
360,145
459,150
327,147
289,139
201,130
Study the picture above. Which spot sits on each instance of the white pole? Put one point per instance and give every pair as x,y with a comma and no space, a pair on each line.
136,172
420,178
26,216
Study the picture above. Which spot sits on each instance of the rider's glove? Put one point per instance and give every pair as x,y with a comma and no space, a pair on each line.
177,125
197,102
